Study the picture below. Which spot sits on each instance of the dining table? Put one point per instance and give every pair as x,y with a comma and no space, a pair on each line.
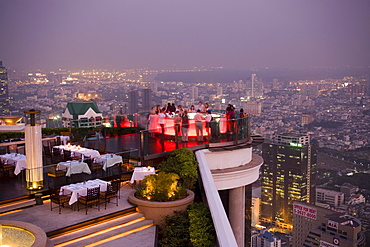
18,160
74,167
108,160
80,189
141,172
79,151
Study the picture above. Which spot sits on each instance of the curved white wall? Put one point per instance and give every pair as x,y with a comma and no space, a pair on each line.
233,169
228,159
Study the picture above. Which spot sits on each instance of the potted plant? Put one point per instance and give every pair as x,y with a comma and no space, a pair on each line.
160,195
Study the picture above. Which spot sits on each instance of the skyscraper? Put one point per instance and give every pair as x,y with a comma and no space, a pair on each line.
194,93
4,95
254,87
147,99
288,174
133,106
253,79
219,91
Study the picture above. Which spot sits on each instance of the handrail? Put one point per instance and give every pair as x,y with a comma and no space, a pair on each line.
224,232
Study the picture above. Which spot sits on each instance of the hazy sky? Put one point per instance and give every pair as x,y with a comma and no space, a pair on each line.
51,34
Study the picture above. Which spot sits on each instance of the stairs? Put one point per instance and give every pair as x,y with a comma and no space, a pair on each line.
103,230
16,204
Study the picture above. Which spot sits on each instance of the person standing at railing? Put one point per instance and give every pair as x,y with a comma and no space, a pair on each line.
200,107
192,108
241,121
177,121
185,125
162,120
198,118
230,118
153,123
209,118
206,107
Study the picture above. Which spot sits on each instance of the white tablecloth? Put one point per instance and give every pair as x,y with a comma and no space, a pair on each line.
108,160
74,167
80,189
141,172
19,160
75,150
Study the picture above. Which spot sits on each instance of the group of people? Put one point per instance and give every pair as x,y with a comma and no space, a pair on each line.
157,118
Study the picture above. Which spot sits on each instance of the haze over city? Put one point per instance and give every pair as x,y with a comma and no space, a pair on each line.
85,34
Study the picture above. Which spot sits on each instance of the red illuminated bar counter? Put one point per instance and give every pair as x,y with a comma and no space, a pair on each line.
219,118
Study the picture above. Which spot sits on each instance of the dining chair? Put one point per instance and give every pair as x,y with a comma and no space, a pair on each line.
57,174
112,191
92,197
7,168
76,156
57,155
66,155
56,198
95,167
52,143
58,141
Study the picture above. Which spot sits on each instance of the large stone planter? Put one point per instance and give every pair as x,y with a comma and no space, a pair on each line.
18,233
157,210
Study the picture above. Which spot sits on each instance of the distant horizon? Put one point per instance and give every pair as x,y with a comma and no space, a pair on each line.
206,68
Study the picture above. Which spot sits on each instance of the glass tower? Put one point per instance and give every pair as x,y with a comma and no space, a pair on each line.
288,174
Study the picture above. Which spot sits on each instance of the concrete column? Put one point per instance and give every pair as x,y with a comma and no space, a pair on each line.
237,213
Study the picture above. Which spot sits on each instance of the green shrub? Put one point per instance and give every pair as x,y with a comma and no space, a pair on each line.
161,187
182,162
201,230
54,131
8,135
193,227
175,231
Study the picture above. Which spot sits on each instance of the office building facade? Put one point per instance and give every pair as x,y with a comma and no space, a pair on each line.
288,174
146,99
133,105
4,94
333,198
317,226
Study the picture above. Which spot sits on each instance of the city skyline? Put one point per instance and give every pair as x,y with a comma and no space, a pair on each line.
167,34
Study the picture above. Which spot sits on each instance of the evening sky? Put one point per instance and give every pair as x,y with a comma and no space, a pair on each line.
77,34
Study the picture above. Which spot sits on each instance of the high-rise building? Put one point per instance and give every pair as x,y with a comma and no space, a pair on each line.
194,93
253,79
254,87
154,86
4,95
219,91
288,174
317,226
146,99
133,106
